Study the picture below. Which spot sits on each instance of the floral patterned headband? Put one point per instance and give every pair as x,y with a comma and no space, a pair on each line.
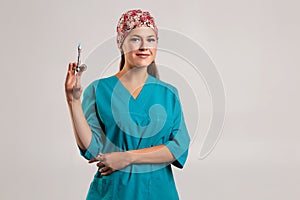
132,19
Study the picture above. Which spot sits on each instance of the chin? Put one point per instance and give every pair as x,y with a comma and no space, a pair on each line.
142,64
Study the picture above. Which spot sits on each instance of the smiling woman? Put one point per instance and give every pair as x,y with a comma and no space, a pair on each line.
139,47
133,136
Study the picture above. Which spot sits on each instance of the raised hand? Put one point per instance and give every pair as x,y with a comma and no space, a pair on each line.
73,87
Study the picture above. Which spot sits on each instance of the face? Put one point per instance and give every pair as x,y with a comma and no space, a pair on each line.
140,47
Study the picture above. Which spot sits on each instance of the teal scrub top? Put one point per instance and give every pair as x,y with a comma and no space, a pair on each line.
120,122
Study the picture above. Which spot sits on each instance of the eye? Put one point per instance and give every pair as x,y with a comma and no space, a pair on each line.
151,40
134,39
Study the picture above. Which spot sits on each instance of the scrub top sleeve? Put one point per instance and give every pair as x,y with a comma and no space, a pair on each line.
179,139
92,118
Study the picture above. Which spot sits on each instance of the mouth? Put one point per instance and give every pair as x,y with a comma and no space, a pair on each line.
143,55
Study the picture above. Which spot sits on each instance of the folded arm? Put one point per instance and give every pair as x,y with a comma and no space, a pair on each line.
155,154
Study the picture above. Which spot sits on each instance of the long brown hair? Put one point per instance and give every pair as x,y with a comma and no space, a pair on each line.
151,69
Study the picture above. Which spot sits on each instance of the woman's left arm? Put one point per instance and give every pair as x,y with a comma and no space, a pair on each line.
155,154
118,160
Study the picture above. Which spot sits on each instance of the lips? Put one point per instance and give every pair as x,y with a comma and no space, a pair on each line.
142,55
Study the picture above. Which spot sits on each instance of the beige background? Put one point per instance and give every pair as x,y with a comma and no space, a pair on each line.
254,44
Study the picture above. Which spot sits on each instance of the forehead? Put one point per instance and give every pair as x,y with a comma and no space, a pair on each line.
143,31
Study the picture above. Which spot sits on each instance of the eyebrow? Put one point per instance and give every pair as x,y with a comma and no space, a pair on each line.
147,36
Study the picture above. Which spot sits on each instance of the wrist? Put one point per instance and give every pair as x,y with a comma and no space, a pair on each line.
74,102
131,157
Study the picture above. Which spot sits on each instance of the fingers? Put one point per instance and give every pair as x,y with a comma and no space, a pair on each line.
71,72
97,159
93,160
106,171
72,67
100,164
69,78
77,86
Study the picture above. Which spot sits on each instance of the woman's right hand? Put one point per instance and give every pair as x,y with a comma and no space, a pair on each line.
73,87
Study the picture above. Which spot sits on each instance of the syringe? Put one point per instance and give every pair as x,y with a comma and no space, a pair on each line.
80,67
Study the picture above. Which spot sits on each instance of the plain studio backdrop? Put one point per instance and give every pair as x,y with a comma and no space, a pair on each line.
253,44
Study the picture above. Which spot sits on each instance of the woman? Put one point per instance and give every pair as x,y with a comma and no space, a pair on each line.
130,123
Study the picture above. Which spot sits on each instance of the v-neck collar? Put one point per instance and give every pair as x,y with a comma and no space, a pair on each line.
140,94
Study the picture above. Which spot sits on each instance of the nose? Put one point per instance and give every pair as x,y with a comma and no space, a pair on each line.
143,45
142,48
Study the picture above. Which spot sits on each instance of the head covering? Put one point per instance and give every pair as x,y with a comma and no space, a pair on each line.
132,19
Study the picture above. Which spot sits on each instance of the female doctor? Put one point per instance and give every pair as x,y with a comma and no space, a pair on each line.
130,123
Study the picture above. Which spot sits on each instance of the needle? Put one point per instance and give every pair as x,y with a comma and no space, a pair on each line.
78,57
80,67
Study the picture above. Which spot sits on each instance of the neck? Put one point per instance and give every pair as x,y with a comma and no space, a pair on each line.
134,74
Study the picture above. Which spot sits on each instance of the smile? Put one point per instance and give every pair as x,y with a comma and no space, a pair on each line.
141,55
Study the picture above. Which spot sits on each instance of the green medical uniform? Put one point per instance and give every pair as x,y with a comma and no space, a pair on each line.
120,122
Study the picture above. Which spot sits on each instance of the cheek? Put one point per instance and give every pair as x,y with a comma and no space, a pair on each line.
154,51
131,47
130,56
